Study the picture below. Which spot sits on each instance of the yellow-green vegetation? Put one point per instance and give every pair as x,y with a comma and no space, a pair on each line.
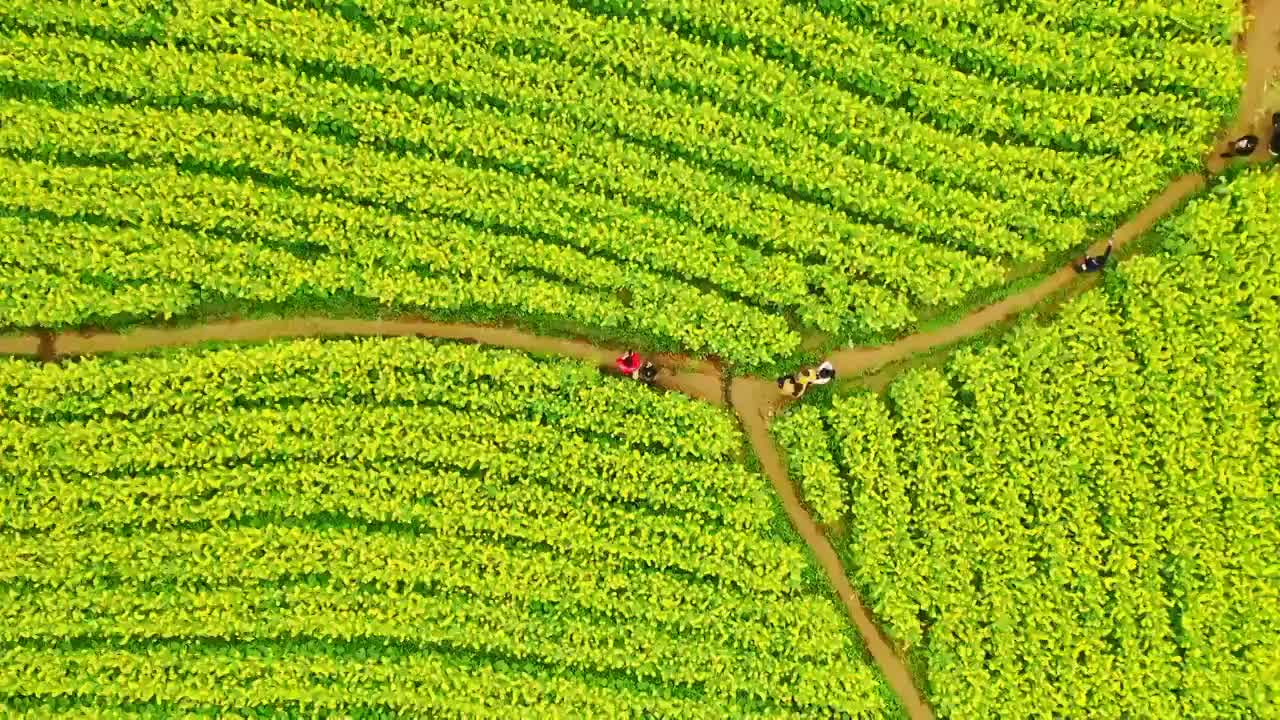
394,527
1081,520
716,176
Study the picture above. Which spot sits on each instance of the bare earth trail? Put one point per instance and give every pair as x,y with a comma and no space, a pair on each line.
891,664
702,381
753,399
1260,44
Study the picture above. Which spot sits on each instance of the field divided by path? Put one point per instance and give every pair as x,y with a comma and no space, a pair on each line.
742,182
390,526
714,177
1081,518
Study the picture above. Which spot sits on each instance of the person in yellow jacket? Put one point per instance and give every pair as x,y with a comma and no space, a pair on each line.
807,377
796,385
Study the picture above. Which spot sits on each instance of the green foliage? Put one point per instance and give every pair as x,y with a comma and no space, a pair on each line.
682,170
1083,519
809,461
398,526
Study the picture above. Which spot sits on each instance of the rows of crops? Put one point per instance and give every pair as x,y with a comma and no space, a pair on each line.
1081,521
397,526
713,175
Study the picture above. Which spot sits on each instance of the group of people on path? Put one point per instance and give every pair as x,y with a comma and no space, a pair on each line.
796,384
636,367
632,365
1246,144
1240,147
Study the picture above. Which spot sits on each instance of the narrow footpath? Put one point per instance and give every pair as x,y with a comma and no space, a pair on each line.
891,664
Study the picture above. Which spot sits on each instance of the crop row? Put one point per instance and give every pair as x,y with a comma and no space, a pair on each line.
314,679
437,564
515,87
661,116
1179,20
803,433
1084,492
810,109
498,447
310,550
239,145
835,51
395,370
1007,45
277,611
432,501
567,639
621,171
183,268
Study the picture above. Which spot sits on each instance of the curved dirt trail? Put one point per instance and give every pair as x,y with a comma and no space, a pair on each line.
756,424
862,359
701,382
1260,45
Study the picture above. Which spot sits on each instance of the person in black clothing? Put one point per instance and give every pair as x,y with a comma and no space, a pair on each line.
648,372
1095,262
1275,135
1242,147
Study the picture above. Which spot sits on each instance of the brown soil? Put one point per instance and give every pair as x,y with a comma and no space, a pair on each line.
1260,44
45,348
696,378
19,345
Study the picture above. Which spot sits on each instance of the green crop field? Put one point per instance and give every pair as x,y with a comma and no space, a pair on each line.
308,311
723,177
392,526
1081,520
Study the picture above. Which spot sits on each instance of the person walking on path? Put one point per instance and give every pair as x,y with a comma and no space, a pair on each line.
629,363
826,373
647,373
1275,135
1093,263
788,385
795,385
1241,147
635,367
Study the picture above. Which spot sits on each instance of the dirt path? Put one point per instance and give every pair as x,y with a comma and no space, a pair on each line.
859,360
1260,44
747,398
696,378
19,345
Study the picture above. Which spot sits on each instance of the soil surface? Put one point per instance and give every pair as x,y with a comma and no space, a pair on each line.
1260,45
19,344
696,378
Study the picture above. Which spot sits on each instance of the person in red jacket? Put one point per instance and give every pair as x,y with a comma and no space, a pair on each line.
629,364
